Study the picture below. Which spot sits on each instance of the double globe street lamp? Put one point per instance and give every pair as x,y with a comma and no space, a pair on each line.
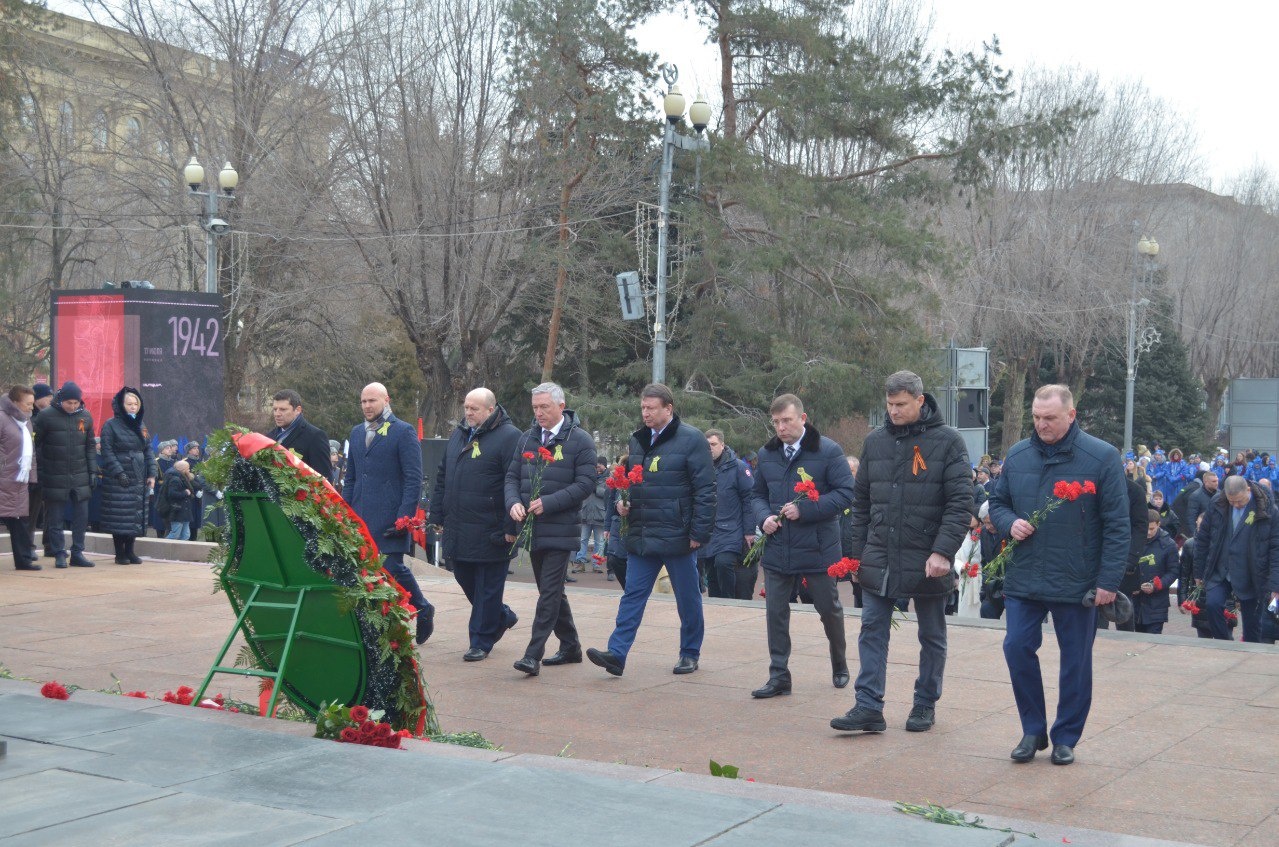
699,115
214,227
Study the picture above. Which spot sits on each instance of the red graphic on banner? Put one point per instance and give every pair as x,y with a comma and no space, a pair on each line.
90,349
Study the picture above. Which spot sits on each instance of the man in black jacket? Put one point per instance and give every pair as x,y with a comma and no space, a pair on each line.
671,515
721,558
803,537
469,502
67,457
1236,552
553,505
912,504
298,434
1200,501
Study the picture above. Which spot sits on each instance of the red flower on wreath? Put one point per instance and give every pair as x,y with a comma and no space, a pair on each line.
300,495
55,691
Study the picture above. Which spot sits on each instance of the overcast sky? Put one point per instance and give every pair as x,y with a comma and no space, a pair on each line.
1214,64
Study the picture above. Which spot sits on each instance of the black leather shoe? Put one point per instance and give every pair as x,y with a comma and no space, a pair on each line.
921,719
1025,749
529,666
425,623
27,566
605,660
570,578
840,679
686,664
1063,754
564,657
772,688
60,563
860,719
475,654
79,561
122,560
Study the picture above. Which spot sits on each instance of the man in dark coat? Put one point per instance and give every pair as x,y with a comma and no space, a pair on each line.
68,456
1236,551
734,524
912,504
1080,547
671,515
383,484
128,473
803,537
469,503
295,432
1200,501
554,508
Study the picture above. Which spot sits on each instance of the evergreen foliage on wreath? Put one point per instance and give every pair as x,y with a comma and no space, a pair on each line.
339,546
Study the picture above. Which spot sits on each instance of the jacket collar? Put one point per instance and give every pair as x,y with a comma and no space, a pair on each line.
569,422
811,441
644,435
1059,450
929,417
1260,502
492,422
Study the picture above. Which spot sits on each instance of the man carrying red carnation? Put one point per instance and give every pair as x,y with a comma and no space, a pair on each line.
802,486
1079,547
912,504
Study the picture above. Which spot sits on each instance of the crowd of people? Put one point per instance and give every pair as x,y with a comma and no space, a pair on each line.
1087,537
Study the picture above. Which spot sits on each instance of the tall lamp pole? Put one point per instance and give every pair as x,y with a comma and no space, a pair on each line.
213,226
699,115
1146,251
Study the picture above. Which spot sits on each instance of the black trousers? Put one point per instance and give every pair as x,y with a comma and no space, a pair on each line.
55,540
778,589
553,614
20,537
484,583
36,516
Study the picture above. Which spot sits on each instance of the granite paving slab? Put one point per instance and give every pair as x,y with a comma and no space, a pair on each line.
25,757
51,797
818,827
41,719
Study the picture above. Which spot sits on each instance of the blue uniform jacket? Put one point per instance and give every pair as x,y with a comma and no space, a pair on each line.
384,480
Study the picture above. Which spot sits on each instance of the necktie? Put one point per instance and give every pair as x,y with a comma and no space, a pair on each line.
546,437
790,452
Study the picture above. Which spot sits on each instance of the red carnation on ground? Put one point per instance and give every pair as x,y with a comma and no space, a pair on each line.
141,695
359,714
55,691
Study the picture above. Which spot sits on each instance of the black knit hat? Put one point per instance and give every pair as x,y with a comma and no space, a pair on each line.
42,390
70,391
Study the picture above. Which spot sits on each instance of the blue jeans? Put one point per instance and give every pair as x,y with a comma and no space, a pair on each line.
872,649
1076,628
641,575
589,530
179,531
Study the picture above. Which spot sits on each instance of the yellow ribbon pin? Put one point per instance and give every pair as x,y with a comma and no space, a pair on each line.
559,453
1251,516
804,475
384,428
475,449
652,466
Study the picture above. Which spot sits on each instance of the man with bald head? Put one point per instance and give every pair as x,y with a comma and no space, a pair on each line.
469,503
383,484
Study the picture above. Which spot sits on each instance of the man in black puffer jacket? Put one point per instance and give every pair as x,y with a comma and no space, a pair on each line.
671,515
469,502
912,504
803,537
67,459
567,479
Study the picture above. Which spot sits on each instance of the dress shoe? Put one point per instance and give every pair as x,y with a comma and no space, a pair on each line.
1025,749
134,560
79,561
840,679
475,654
122,560
772,688
27,566
425,623
921,719
564,657
1063,754
860,719
569,578
528,666
60,563
686,664
605,660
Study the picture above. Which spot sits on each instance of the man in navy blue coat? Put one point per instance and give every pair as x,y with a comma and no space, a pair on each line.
721,558
804,537
468,503
1081,546
1237,552
671,514
383,484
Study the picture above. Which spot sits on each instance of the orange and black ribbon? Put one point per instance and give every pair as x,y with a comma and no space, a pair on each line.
918,465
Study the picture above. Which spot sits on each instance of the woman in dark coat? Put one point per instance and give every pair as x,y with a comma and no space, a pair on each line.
127,474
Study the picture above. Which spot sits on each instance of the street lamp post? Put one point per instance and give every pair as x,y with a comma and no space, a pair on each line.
213,226
1146,251
699,115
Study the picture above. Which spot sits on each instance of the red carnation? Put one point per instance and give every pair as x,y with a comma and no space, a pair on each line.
1190,606
141,695
359,714
55,691
844,567
1230,615
636,475
348,735
528,457
1090,487
1061,490
1157,583
545,455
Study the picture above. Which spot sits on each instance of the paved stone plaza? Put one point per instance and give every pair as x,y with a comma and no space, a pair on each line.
1182,744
